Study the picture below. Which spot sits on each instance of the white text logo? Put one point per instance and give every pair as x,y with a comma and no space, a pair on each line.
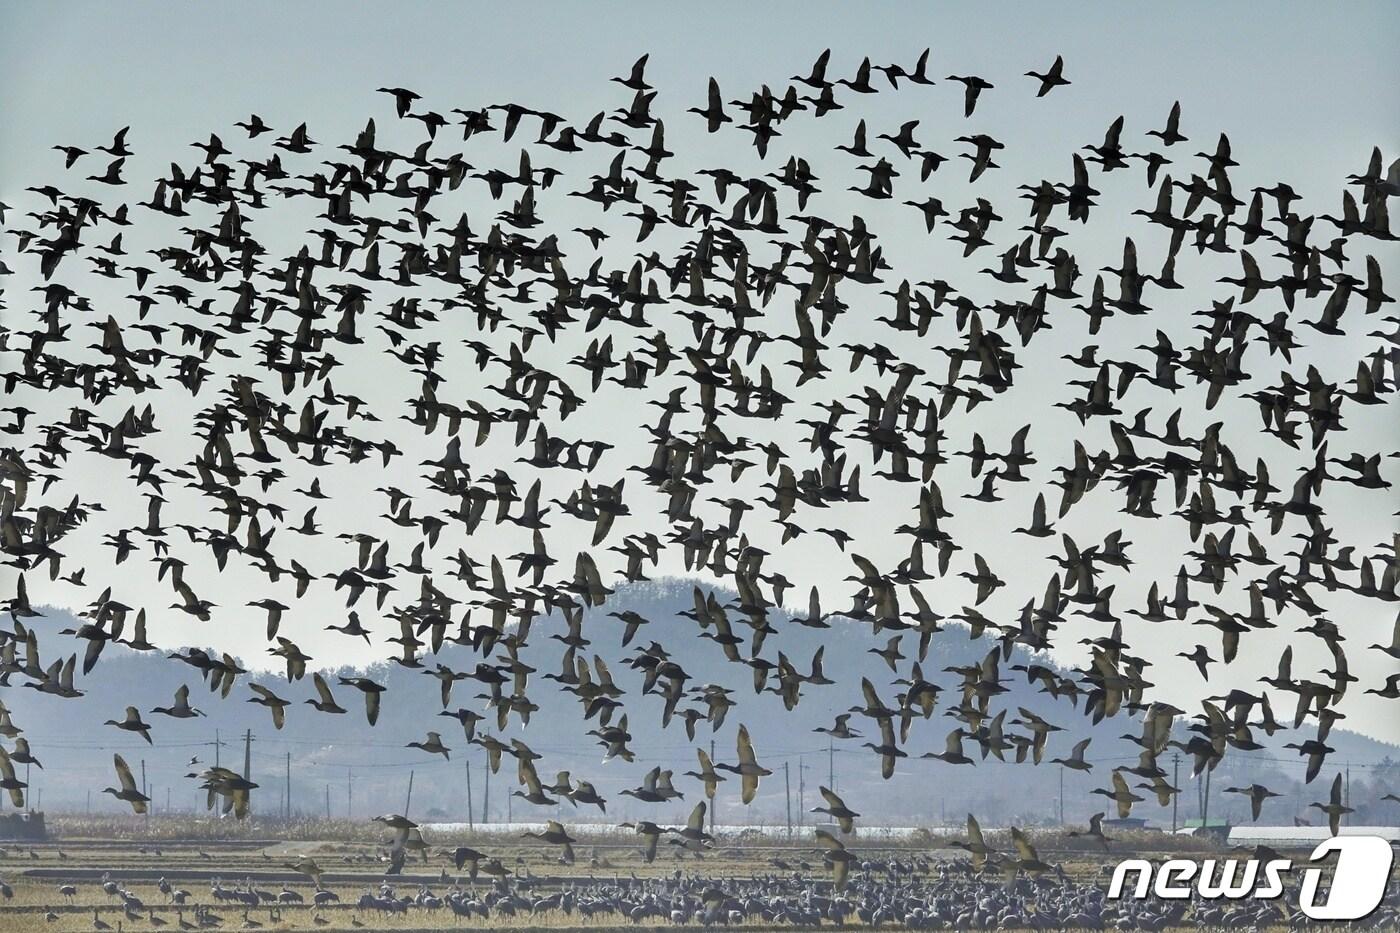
1358,882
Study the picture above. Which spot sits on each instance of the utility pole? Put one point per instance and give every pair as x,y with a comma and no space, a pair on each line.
349,794
1205,807
288,814
713,807
1062,796
143,784
248,761
830,763
787,796
1176,770
801,791
328,803
1346,795
409,799
217,743
469,795
486,793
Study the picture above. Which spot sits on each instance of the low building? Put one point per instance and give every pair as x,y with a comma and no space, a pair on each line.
1212,829
1304,836
1131,824
27,826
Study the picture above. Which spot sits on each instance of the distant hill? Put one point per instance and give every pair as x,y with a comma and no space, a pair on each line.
325,750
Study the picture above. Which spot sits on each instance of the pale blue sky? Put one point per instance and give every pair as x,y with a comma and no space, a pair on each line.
1286,79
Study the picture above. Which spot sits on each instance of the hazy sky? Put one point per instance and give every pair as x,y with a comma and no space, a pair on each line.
1304,92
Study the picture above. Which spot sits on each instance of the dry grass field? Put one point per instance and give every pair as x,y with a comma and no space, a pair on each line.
58,885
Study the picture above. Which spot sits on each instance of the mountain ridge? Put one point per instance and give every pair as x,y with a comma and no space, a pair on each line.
321,751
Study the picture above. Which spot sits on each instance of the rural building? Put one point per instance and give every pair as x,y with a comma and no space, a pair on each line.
1131,824
1215,829
27,826
1304,836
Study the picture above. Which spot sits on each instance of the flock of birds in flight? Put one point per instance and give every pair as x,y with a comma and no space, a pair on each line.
255,340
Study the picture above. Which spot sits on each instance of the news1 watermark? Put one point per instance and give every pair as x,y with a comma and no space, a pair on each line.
1357,885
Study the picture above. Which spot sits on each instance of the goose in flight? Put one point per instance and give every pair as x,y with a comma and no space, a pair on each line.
554,834
748,768
9,782
837,810
129,791
133,723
